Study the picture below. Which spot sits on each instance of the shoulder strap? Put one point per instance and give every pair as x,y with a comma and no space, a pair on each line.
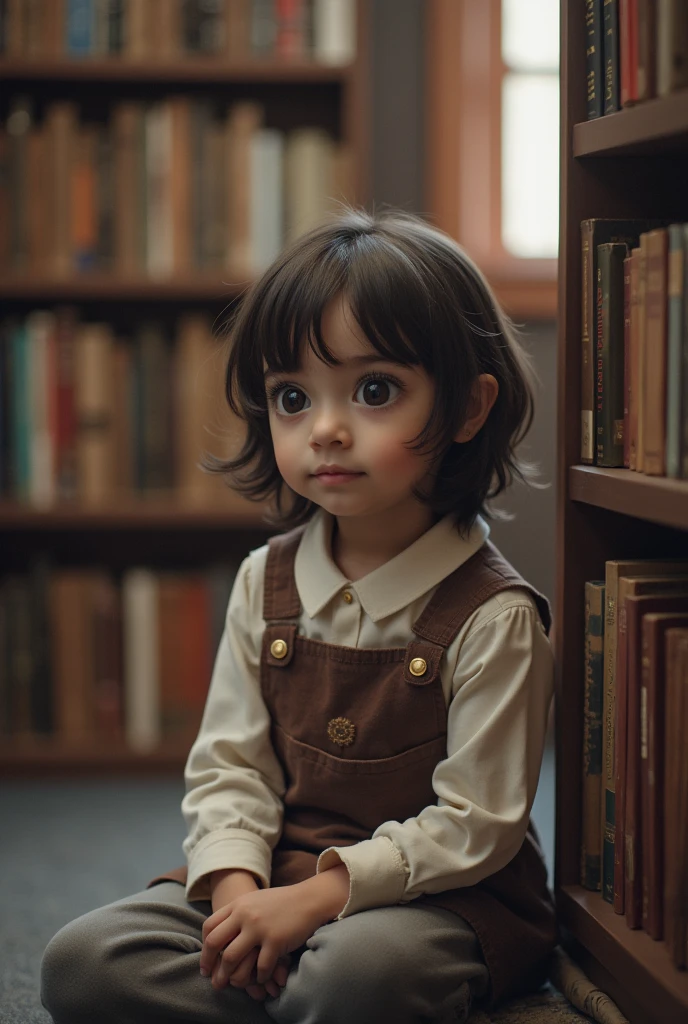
280,596
469,586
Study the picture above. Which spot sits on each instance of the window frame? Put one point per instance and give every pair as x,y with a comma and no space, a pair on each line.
465,71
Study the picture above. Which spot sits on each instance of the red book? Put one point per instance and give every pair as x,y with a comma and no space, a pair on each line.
652,745
636,607
628,30
290,41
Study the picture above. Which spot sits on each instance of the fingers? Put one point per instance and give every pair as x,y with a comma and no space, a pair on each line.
214,920
256,992
281,973
272,988
242,975
215,941
266,963
230,959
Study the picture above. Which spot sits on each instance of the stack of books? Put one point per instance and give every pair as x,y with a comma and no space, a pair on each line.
141,30
94,659
93,416
635,50
159,189
634,386
635,772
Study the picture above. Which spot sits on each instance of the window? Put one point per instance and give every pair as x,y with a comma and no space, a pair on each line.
493,140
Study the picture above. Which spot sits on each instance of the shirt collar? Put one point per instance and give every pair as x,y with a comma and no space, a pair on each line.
392,586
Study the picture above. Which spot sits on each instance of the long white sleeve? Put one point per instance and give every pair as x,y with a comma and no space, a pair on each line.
234,782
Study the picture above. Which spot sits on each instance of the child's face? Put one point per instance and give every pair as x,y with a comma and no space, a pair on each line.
340,432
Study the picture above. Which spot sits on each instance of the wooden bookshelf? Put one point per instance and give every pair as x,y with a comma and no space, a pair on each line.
153,513
90,287
161,531
186,70
631,163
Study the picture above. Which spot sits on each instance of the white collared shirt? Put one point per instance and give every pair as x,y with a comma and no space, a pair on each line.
497,679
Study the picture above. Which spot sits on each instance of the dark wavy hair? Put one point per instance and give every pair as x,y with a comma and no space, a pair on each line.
420,301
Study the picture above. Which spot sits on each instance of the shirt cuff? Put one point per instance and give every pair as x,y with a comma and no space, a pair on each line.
377,873
223,850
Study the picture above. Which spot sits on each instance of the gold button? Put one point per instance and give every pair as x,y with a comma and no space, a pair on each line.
418,667
348,596
278,649
341,731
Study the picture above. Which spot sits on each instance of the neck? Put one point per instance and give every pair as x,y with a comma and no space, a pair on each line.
361,544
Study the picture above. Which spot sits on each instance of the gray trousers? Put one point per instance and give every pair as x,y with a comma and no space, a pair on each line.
137,961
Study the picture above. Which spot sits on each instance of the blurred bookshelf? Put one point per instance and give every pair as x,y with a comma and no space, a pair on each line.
153,159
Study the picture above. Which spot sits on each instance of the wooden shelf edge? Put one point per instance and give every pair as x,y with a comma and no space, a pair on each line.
224,285
641,964
661,121
183,69
149,515
655,499
39,756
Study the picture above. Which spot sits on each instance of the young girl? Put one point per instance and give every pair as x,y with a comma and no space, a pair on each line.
358,797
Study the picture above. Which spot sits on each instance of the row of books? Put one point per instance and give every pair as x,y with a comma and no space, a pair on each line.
321,30
159,189
634,386
87,657
635,50
635,773
90,415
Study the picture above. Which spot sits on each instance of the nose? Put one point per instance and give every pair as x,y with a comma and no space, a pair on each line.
329,428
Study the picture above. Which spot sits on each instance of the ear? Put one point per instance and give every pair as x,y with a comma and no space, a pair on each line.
483,396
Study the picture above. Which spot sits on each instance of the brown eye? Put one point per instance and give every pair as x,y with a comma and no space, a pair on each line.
376,391
291,400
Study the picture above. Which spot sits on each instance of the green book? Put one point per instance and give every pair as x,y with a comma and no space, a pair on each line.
593,696
609,389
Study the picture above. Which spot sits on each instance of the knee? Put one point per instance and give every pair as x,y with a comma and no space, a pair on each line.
347,973
69,971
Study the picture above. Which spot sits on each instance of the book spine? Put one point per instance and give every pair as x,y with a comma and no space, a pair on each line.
65,454
642,332
610,381
684,365
672,46
592,736
647,20
632,840
620,738
633,367
80,27
588,342
654,436
675,322
627,360
594,45
611,56
141,668
628,33
608,776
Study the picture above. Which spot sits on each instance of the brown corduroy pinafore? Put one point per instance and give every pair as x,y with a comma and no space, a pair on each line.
359,732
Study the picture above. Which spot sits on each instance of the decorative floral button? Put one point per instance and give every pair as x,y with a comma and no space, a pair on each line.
418,667
278,649
341,731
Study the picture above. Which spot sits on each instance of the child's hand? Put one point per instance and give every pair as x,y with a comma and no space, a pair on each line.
245,977
258,928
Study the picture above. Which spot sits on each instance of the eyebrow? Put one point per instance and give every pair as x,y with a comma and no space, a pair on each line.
362,360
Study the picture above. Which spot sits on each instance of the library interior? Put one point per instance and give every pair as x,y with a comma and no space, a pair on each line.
160,163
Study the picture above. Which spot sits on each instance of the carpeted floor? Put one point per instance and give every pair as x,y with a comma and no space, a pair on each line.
68,847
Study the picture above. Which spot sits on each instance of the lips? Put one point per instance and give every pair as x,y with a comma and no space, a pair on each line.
334,470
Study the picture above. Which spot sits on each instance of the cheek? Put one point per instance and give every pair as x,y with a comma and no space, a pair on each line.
392,455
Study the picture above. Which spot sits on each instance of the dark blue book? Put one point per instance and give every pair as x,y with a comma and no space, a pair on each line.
80,26
612,93
594,46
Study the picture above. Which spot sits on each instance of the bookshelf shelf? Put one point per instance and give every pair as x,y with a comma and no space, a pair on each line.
639,516
659,125
146,514
185,70
186,288
631,955
36,756
656,499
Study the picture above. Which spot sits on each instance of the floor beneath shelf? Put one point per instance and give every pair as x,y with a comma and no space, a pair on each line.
68,847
